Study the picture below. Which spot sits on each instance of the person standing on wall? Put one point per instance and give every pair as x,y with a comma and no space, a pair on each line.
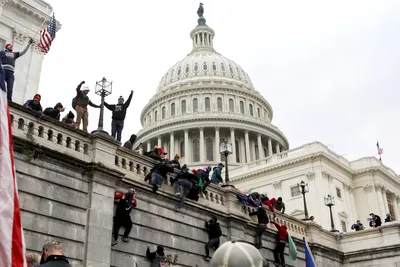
127,201
8,58
80,103
118,115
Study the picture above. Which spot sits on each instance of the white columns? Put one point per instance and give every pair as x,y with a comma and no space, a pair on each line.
186,143
260,147
148,146
216,152
396,207
385,202
253,150
172,144
269,147
247,144
278,148
233,156
159,141
202,147
381,207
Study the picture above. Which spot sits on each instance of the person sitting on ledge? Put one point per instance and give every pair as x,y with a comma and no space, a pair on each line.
129,144
204,175
69,119
388,218
156,257
54,112
34,104
127,201
357,226
216,177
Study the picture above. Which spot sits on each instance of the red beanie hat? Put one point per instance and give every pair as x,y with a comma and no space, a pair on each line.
8,45
37,96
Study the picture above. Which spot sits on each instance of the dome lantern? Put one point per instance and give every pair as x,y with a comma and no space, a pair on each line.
202,35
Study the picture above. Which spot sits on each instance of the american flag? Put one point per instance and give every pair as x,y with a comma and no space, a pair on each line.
47,35
12,244
380,150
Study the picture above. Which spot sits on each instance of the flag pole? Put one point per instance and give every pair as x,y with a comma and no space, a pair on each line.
41,26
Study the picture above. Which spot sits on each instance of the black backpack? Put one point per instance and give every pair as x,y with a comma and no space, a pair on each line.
48,111
74,102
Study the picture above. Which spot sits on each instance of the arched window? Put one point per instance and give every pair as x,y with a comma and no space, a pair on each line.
241,107
251,109
258,112
231,106
209,149
173,109
219,104
196,150
256,151
163,113
155,115
195,105
237,151
182,148
183,106
207,103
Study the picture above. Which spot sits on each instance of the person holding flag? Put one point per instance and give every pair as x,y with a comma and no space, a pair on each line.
12,244
380,150
8,58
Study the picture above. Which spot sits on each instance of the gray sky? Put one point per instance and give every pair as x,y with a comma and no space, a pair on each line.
329,70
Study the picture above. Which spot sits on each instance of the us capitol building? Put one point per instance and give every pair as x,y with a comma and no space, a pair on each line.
206,98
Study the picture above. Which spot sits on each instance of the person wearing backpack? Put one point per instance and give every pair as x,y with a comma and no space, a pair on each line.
54,112
214,233
80,103
118,115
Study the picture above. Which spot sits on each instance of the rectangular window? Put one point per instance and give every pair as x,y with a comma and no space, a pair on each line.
338,193
344,226
295,191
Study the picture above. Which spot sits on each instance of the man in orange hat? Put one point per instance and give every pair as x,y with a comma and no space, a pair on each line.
8,58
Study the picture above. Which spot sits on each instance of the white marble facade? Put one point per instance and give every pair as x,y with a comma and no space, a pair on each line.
19,21
206,98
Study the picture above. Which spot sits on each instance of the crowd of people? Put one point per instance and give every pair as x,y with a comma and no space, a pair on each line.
374,222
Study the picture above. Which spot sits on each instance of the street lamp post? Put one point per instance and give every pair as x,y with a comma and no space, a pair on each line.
303,188
103,89
330,201
225,149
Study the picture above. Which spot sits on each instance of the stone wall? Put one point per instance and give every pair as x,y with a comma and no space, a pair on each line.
67,179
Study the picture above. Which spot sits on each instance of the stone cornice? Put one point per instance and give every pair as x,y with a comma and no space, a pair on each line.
313,156
158,99
378,169
24,10
277,135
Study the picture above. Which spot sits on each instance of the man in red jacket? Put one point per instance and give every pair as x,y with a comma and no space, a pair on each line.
122,216
281,236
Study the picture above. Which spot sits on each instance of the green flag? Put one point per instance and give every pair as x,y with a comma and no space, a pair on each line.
292,249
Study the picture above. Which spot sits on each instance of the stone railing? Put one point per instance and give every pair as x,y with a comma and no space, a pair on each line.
49,133
97,148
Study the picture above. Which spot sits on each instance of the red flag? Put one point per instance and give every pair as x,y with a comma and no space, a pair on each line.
12,243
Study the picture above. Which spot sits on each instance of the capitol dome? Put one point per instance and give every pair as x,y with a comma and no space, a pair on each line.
203,100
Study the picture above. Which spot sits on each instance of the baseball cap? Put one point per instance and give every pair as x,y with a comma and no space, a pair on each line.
237,254
221,164
162,150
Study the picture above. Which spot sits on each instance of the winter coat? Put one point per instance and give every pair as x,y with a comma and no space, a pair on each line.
214,230
56,261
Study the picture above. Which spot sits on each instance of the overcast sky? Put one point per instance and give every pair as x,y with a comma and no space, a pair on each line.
329,70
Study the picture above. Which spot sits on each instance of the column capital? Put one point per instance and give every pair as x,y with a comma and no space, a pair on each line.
368,187
217,128
232,129
379,186
246,131
201,129
258,135
186,131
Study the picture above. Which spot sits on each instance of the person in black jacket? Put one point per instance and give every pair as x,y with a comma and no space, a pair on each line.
54,112
34,104
129,144
262,225
375,221
156,257
118,115
53,255
186,179
214,233
159,173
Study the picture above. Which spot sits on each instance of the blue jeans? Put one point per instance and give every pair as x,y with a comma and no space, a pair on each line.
156,179
9,79
186,189
116,128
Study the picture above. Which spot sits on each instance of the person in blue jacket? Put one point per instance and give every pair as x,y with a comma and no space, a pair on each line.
216,177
